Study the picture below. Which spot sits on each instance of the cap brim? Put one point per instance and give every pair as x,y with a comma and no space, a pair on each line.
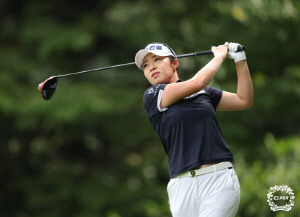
139,58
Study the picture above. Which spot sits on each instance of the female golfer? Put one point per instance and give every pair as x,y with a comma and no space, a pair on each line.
203,181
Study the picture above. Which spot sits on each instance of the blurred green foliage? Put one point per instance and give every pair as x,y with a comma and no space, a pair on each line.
91,150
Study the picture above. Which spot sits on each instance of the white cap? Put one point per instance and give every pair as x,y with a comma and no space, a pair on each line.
156,48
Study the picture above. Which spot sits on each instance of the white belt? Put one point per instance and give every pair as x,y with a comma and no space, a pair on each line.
205,170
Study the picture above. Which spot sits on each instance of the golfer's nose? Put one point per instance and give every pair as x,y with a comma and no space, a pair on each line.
152,67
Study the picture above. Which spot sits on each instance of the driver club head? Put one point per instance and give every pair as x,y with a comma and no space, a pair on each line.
48,88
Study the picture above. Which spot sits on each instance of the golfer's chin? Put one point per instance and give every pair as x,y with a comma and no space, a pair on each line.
158,80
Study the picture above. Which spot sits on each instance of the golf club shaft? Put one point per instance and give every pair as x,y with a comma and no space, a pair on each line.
93,70
241,48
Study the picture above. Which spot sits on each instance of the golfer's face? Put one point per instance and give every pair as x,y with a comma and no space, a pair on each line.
157,69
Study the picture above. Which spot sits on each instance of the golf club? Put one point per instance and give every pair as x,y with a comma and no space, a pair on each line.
48,87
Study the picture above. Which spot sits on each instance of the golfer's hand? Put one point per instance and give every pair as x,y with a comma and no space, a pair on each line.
233,54
220,51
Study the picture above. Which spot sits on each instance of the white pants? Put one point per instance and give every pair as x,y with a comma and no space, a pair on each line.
215,194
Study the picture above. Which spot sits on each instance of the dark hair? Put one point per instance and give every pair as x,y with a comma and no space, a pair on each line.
171,58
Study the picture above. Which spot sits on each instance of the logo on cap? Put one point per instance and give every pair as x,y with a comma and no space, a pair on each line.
154,47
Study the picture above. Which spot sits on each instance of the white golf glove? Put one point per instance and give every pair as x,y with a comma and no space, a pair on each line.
237,56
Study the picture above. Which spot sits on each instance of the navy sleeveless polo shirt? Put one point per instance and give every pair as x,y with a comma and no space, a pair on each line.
188,129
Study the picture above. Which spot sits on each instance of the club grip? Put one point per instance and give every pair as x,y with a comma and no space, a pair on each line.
241,48
207,52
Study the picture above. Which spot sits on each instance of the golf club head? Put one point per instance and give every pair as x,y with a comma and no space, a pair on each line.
48,88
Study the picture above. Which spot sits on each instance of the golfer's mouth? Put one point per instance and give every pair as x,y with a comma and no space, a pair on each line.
155,74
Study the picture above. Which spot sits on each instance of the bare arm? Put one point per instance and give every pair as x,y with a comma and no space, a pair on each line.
243,99
177,91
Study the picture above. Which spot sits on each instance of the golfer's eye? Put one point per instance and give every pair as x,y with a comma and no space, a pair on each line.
144,66
156,59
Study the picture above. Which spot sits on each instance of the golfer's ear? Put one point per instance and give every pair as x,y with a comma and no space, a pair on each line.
175,64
